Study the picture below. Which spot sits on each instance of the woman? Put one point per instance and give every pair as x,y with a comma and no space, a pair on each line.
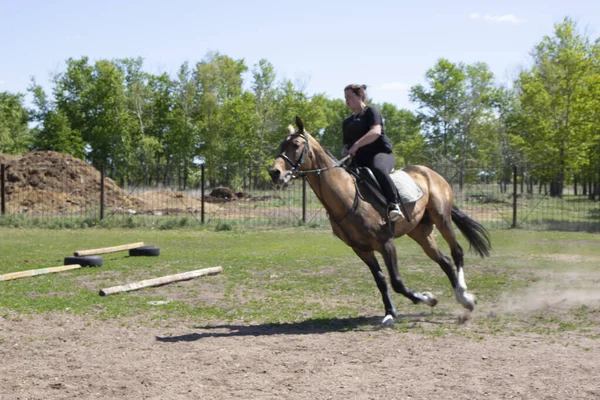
366,141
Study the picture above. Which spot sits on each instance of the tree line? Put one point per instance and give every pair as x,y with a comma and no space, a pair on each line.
159,128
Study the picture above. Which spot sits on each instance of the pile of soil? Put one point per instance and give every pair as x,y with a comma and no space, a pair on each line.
50,182
160,202
47,181
223,193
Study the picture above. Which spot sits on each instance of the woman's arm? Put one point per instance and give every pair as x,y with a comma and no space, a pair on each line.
368,138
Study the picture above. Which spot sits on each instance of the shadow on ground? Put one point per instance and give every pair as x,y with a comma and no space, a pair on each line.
309,327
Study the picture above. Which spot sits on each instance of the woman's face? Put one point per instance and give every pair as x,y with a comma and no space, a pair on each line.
352,100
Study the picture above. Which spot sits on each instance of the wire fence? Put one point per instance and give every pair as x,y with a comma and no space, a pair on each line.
72,190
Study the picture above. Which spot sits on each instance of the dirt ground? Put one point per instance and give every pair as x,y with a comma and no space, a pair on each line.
72,357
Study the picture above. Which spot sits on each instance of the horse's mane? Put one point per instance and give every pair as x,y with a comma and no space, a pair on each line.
330,154
333,158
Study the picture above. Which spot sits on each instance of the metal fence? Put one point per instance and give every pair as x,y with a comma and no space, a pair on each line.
71,190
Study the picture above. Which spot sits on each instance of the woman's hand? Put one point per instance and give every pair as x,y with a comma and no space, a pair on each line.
345,151
352,151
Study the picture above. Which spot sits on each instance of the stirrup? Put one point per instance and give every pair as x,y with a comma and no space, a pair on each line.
394,213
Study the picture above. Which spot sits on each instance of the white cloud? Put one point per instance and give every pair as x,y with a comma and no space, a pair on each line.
393,86
1,82
497,18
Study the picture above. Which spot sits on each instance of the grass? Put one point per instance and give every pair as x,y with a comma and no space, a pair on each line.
299,276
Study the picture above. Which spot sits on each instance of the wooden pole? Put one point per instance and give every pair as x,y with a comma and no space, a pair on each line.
105,250
2,190
102,173
160,281
35,272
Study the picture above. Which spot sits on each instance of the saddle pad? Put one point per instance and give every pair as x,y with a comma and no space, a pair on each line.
409,191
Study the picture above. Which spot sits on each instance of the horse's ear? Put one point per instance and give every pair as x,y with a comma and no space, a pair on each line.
299,124
291,129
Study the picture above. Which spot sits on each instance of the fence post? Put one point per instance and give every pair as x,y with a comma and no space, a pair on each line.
514,222
304,201
2,189
102,173
202,196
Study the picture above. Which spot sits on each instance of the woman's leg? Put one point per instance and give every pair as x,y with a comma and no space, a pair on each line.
381,166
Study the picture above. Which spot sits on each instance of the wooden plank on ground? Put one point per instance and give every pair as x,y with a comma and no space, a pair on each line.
35,272
105,250
160,281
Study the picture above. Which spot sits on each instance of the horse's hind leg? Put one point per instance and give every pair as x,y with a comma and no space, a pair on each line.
444,225
369,258
423,235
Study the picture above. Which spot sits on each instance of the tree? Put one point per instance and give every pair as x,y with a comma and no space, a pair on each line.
403,128
457,110
332,135
14,131
556,106
439,107
53,130
265,91
219,78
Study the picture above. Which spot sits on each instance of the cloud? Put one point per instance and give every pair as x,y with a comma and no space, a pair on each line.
1,82
393,86
497,18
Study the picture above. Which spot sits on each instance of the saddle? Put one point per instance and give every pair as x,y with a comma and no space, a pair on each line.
368,187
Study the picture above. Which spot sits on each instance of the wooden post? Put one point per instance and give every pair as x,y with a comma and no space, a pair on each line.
514,222
202,196
160,281
105,250
102,173
35,272
304,201
2,189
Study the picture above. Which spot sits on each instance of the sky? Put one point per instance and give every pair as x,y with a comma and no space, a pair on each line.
323,45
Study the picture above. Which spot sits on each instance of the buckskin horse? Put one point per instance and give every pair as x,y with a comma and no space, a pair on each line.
360,222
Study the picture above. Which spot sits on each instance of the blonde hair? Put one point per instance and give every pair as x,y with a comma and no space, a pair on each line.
358,90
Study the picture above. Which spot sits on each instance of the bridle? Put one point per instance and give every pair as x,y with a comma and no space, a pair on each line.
295,172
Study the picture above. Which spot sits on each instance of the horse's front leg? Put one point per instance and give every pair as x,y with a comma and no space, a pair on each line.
369,258
388,253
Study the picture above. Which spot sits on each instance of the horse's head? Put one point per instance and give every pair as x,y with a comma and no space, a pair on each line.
293,154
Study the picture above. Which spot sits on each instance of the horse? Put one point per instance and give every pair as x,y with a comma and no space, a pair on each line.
361,224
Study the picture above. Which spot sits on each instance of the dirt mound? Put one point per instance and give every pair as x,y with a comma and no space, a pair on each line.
158,202
223,193
8,158
47,181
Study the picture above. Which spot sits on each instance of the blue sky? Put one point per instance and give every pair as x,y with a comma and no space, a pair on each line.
388,45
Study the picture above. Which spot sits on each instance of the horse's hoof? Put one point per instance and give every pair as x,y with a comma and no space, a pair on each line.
467,300
429,299
388,321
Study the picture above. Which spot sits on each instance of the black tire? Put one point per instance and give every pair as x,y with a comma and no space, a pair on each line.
145,251
84,261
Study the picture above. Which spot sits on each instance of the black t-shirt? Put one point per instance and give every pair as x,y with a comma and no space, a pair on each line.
355,127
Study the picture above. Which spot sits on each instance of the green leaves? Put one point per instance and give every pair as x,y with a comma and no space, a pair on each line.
455,110
14,134
558,105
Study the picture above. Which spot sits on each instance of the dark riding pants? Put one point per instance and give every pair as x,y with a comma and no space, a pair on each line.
381,165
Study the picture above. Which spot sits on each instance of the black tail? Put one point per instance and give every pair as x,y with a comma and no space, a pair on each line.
475,233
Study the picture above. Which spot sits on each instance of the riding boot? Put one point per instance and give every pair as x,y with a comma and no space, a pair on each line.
403,208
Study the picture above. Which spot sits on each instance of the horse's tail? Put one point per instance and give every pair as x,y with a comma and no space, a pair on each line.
475,233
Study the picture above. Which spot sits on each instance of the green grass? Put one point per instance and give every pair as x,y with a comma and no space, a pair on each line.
294,276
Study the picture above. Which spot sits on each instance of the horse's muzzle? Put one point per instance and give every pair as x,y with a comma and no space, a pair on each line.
275,175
